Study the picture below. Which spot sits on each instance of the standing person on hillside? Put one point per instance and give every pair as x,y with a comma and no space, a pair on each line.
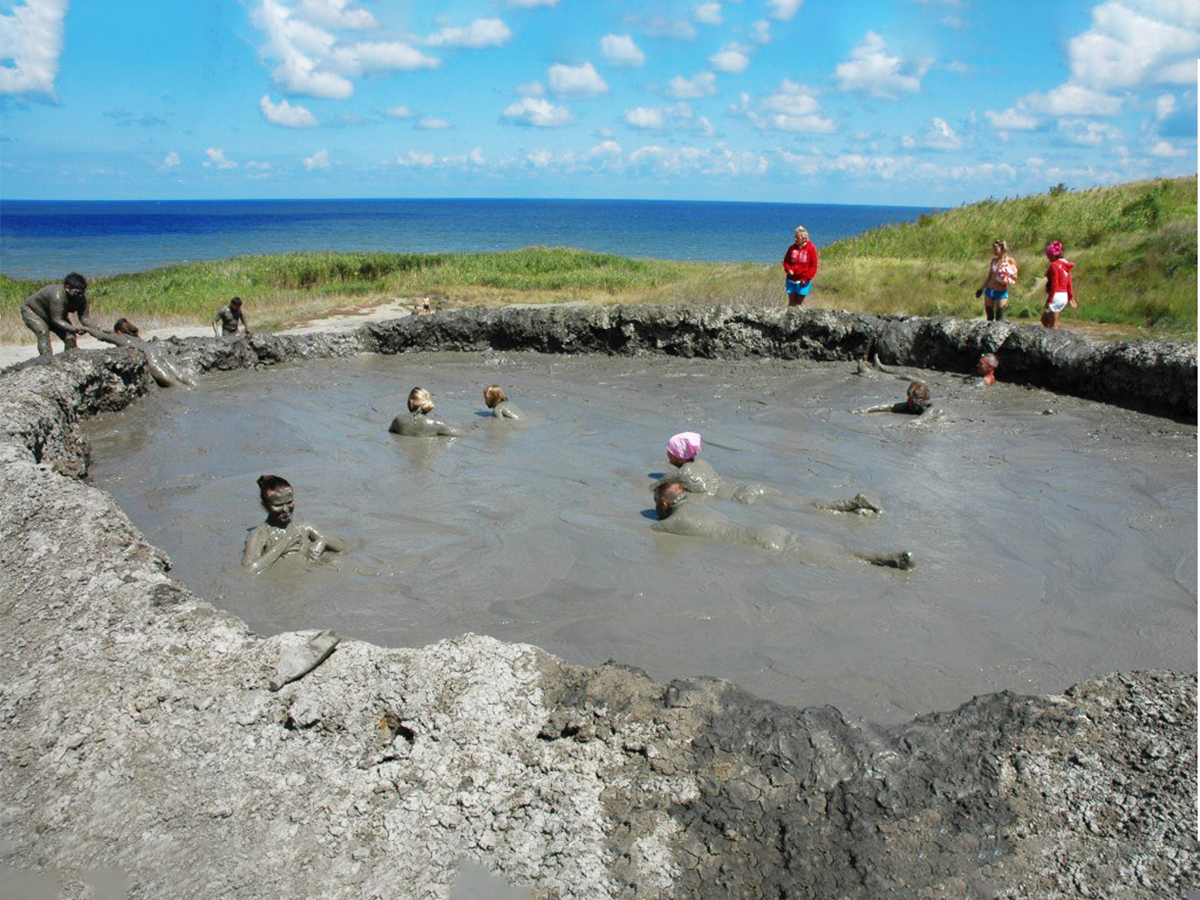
46,311
227,318
1059,289
1002,271
800,264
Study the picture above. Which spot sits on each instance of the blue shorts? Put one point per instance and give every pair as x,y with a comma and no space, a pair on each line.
995,295
794,287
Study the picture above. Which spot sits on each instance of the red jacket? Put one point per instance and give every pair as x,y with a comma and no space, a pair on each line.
800,263
1058,278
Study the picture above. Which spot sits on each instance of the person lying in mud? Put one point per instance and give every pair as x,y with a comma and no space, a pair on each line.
282,534
418,422
696,476
679,514
916,402
161,369
497,402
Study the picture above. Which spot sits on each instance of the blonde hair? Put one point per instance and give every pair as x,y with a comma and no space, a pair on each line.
493,394
1002,244
419,400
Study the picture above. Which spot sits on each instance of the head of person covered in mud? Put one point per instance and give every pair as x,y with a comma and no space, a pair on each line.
916,398
986,367
278,499
420,402
667,495
124,326
493,395
683,448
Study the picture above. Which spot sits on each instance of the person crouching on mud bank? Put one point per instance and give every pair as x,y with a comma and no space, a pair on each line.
282,534
1059,290
46,311
227,318
800,264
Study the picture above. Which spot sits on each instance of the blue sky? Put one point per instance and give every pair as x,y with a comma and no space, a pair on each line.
915,102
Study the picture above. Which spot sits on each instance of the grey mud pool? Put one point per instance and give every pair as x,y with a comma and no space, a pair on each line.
1055,538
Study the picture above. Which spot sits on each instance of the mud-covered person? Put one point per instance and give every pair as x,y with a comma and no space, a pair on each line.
418,422
693,474
161,369
47,311
917,401
282,534
228,317
497,401
986,368
678,515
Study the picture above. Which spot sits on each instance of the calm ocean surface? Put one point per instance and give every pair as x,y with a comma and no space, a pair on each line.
46,239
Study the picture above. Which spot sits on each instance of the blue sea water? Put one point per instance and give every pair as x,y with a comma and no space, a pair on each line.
43,240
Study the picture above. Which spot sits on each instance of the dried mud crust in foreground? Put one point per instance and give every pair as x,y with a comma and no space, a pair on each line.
139,735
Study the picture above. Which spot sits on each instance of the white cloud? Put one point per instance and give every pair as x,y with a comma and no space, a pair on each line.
400,112
1166,150
576,81
940,136
731,58
538,112
530,4
432,123
792,108
645,118
873,70
760,32
285,114
380,56
299,48
707,13
479,34
319,160
620,50
530,89
170,161
783,10
216,159
336,14
1125,48
1014,119
31,41
702,84
1073,100
476,156
416,159
1089,134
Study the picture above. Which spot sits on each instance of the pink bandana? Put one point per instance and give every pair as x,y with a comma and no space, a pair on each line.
684,445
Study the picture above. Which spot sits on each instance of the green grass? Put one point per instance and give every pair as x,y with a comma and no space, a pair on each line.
1134,245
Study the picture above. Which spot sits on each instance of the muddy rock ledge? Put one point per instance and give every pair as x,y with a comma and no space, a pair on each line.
141,744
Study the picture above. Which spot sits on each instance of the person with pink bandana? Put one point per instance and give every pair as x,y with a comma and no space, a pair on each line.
1059,289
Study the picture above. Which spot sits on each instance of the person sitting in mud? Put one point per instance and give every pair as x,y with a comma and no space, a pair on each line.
161,369
678,515
497,402
698,477
916,401
418,422
47,311
227,318
988,363
281,534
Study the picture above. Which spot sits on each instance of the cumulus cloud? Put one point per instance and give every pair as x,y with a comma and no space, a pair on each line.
433,123
170,161
399,112
336,14
620,50
760,32
285,114
784,10
1014,119
479,34
216,159
576,81
792,108
416,159
731,58
319,160
1127,48
31,41
707,13
538,112
872,69
940,136
1166,150
702,84
380,56
644,118
1089,134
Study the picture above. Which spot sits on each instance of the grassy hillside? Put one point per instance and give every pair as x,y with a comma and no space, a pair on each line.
1135,246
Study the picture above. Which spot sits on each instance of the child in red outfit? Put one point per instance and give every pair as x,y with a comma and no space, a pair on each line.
1059,290
800,264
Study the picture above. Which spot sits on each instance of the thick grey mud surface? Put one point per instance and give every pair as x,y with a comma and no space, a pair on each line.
143,752
1050,548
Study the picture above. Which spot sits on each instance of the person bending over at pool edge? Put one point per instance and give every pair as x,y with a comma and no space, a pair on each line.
161,369
281,534
47,311
497,402
418,423
698,477
678,515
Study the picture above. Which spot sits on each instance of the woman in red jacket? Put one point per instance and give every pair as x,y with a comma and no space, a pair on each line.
1059,290
800,264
